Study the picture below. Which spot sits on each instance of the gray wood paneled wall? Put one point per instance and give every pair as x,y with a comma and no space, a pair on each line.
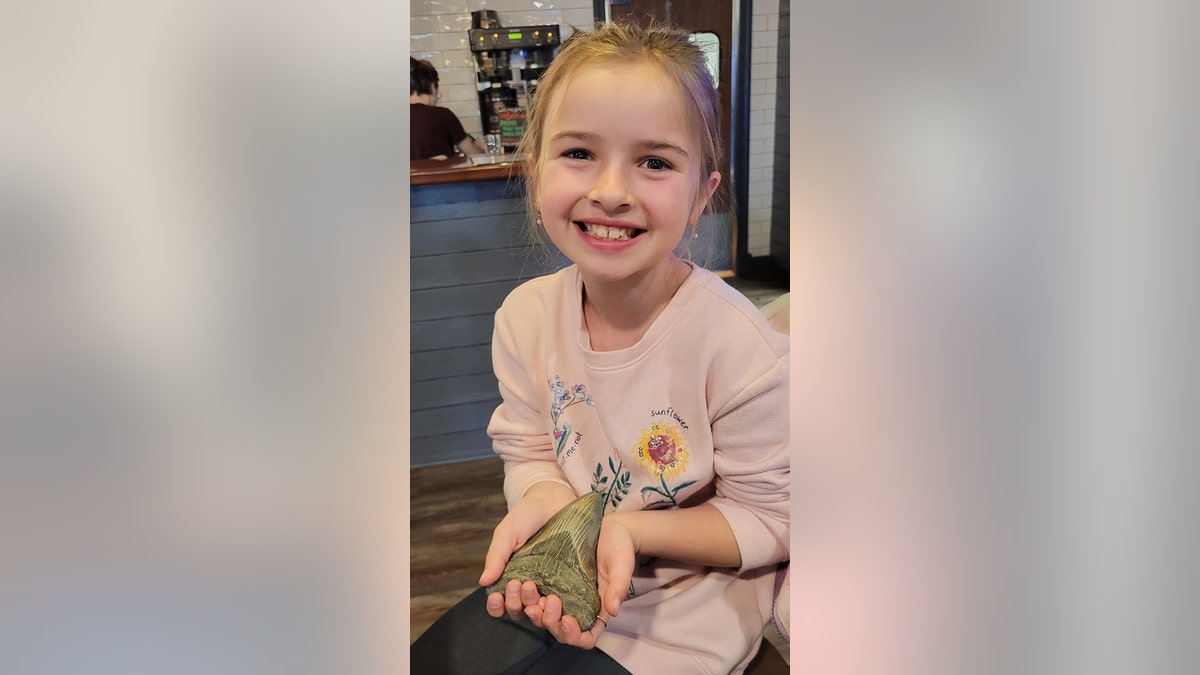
470,249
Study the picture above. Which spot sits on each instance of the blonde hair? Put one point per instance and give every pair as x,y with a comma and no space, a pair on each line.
667,48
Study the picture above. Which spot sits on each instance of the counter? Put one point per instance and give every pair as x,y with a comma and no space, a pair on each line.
462,169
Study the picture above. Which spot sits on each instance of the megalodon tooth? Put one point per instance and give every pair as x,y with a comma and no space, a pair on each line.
561,559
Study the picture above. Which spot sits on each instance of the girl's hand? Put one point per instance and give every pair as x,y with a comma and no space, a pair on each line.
523,520
615,553
517,599
547,613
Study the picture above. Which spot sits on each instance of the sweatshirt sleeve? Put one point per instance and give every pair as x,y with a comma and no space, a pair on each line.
518,426
751,443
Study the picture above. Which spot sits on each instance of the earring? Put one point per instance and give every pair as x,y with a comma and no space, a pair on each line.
538,219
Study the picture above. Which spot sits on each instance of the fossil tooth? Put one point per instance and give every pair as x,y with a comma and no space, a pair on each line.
561,559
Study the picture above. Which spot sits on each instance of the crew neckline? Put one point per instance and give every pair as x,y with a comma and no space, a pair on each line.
658,329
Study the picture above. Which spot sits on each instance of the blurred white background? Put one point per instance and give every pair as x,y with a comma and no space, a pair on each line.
203,274
991,203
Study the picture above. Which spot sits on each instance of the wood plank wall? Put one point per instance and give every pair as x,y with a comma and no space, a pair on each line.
469,250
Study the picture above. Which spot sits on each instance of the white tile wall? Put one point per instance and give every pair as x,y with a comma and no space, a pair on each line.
506,6
767,7
759,241
582,18
436,7
763,59
420,25
438,32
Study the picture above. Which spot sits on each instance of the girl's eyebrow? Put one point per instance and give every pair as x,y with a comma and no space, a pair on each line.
575,135
663,145
589,137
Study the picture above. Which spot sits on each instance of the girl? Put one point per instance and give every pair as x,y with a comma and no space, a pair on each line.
636,374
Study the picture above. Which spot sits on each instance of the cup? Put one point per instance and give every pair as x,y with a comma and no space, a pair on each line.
493,144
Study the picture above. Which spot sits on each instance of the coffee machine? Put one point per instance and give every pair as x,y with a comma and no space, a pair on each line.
503,99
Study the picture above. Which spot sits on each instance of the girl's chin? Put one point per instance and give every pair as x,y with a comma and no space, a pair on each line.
597,272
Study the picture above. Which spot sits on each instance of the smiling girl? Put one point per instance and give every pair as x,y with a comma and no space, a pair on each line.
636,374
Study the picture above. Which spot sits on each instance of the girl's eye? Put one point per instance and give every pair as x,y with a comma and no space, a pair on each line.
656,164
577,153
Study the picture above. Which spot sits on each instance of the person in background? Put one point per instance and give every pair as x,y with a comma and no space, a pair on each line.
435,132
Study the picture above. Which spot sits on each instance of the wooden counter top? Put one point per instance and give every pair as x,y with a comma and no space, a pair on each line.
460,170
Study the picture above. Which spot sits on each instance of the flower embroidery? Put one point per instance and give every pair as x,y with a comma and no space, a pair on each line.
662,450
563,398
615,491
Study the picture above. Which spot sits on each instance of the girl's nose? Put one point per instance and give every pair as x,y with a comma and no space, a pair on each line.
611,190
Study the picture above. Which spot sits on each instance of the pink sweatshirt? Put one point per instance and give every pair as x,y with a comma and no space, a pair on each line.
696,411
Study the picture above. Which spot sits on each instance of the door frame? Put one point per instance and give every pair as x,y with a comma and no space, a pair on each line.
744,265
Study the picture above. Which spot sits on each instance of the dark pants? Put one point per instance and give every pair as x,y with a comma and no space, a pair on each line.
467,641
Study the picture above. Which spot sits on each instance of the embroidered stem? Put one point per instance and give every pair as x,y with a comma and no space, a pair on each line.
669,493
615,491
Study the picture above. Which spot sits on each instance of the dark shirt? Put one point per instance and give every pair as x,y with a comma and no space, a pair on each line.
433,131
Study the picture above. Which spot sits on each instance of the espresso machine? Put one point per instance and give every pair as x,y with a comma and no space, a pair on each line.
503,99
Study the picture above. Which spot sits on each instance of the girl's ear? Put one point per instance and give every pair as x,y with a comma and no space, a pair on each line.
709,189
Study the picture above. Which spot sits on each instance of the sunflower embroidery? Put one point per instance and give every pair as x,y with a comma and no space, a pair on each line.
662,450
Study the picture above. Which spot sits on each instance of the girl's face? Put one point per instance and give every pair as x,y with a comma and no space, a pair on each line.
619,172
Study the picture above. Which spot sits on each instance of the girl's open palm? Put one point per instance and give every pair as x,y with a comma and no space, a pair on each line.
514,529
524,519
615,553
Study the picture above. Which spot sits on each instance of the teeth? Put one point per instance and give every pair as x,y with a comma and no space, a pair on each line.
605,232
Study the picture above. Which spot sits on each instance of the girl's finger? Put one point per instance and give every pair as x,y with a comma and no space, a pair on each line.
499,551
512,600
552,617
529,594
570,631
614,584
598,627
534,612
495,605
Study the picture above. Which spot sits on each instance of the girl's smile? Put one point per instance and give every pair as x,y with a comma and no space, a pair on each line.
608,235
